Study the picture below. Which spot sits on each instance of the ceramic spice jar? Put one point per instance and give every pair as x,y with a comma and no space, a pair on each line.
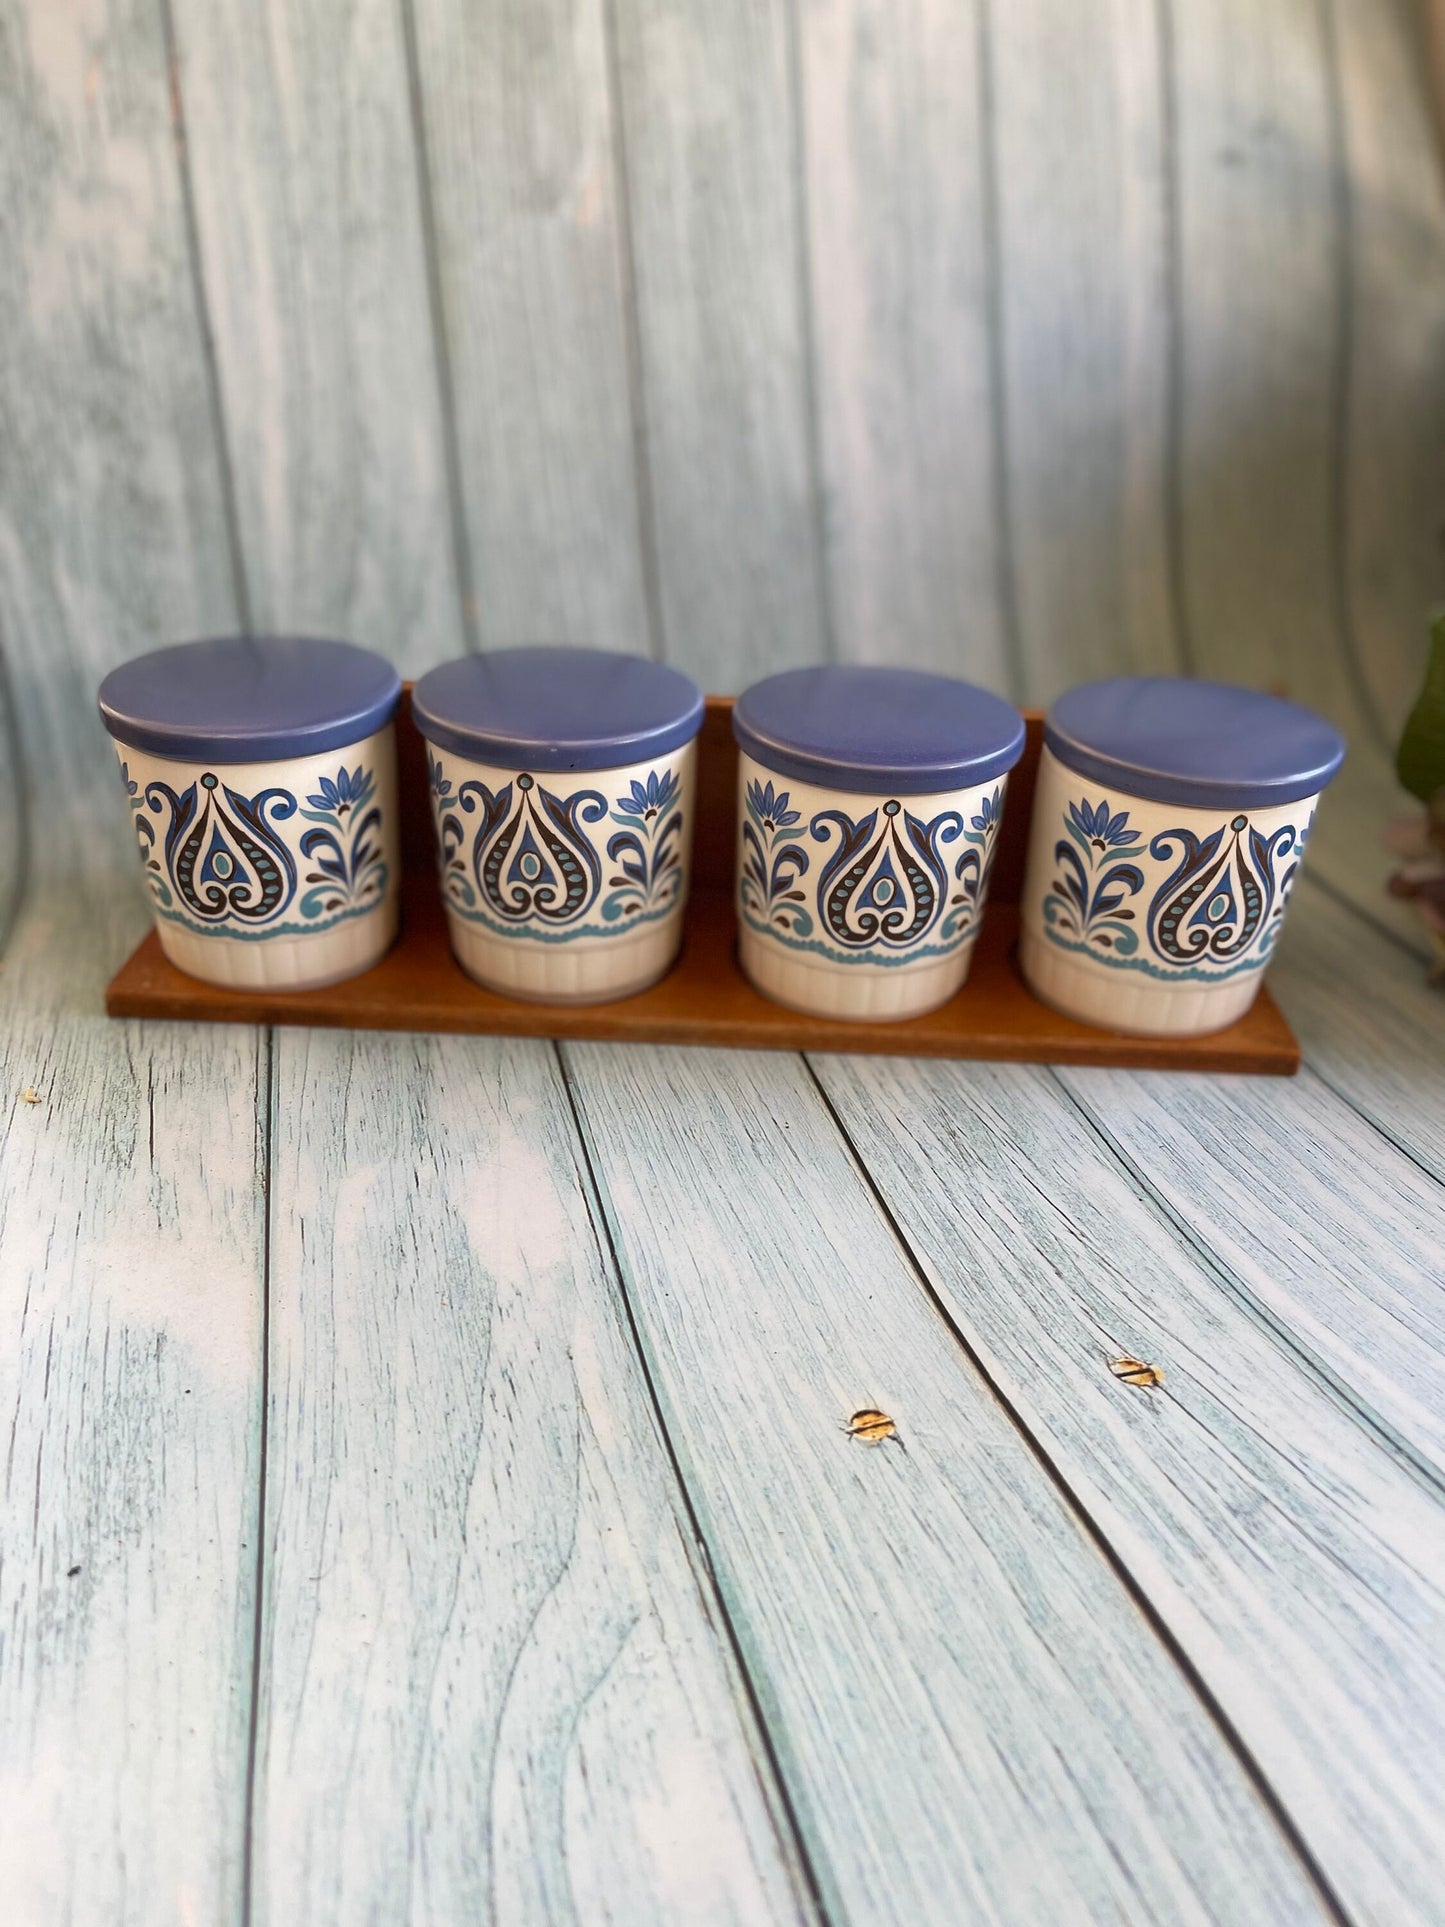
261,772
562,786
1169,823
869,802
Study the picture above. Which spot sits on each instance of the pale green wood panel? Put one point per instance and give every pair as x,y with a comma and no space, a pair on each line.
494,1681
309,229
1264,363
900,281
112,529
707,145
1301,1568
518,143
1394,503
1320,1222
130,1210
131,1231
1370,1024
974,1719
1080,127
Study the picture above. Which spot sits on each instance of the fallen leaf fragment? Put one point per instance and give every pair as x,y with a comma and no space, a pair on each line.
1135,1371
872,1427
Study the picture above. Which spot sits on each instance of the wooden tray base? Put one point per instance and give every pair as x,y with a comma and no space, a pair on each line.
705,999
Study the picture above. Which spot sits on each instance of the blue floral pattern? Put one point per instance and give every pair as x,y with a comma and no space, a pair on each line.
1094,828
223,864
774,861
1217,911
525,859
345,846
1089,902
647,850
884,887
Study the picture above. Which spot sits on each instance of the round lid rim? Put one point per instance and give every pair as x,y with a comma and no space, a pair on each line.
855,773
500,748
236,743
863,779
1157,783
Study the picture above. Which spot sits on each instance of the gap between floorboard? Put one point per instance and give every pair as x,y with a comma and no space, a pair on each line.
1343,1394
1157,1624
771,1779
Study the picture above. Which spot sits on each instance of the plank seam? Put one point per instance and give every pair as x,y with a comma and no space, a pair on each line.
632,340
1373,1123
1151,1614
1343,1395
1005,563
441,349
266,1118
807,328
775,1790
230,513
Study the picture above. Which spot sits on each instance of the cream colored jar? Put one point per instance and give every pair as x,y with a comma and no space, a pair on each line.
261,778
562,794
1170,819
869,803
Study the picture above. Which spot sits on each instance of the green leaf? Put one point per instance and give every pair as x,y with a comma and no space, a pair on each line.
1421,759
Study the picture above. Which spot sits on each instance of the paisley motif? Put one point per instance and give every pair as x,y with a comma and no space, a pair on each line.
530,857
1220,893
222,854
883,885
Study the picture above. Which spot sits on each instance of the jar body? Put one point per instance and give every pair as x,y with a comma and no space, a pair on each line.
1153,918
855,906
279,875
564,887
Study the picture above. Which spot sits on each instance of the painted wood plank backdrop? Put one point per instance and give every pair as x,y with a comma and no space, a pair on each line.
298,154
131,1228
1050,1262
131,1211
882,1597
494,1681
1325,1226
1030,342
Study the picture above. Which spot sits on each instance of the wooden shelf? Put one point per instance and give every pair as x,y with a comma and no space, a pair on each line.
705,999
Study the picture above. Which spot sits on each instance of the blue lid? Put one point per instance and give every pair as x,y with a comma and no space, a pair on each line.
555,709
850,727
249,699
1205,745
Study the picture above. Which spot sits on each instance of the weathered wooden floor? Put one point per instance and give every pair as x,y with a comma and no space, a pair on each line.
426,1496
423,1491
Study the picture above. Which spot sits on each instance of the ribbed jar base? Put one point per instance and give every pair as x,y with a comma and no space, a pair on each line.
855,993
309,962
1121,1000
595,970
